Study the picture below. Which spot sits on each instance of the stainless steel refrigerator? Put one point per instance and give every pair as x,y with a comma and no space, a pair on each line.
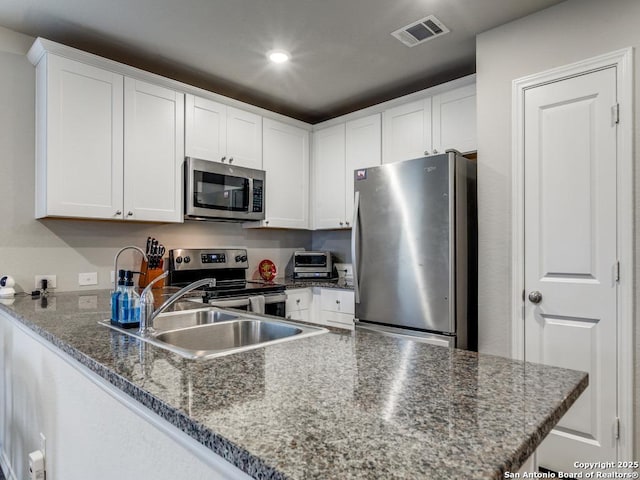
414,249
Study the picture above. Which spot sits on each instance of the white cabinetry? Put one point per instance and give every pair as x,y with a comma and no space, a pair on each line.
286,161
337,152
218,132
336,307
406,131
431,125
109,147
298,304
454,120
80,125
153,151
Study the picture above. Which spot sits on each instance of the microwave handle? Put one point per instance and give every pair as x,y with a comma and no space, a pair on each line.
354,245
250,202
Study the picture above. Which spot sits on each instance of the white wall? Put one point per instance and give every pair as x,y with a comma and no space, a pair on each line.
568,32
67,247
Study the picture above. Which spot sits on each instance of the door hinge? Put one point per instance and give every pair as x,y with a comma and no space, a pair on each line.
616,428
618,271
615,114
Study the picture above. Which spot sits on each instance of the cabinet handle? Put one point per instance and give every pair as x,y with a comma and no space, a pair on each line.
338,302
426,152
129,214
297,300
341,223
266,222
223,159
230,159
346,223
119,212
435,151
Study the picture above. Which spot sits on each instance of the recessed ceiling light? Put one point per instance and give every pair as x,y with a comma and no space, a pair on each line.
278,56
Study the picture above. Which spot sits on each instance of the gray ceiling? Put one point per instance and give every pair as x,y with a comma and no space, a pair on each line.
343,56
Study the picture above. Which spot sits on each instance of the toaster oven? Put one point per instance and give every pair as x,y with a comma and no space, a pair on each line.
312,264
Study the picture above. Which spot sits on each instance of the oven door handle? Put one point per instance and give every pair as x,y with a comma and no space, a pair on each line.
275,298
231,303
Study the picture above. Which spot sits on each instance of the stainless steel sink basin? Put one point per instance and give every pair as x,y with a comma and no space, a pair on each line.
212,332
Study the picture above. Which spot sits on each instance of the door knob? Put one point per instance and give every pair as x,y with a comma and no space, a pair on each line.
535,297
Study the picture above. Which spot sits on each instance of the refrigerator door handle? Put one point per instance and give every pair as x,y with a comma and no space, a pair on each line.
354,240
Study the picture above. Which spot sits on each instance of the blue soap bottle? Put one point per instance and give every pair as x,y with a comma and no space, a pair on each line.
115,298
129,304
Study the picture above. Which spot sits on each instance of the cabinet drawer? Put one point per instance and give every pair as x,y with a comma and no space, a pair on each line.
339,301
302,315
298,299
342,320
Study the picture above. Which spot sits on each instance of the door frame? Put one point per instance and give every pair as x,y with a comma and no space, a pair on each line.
623,61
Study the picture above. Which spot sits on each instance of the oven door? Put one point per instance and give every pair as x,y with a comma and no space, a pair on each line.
274,304
216,190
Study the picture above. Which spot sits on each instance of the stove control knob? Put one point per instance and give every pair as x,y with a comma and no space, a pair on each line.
244,258
187,259
178,260
238,258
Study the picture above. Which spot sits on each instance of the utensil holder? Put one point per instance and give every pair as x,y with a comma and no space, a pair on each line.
147,275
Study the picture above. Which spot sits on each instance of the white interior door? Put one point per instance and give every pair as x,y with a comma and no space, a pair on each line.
570,255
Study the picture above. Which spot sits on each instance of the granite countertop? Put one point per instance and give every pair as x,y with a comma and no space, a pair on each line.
291,282
352,405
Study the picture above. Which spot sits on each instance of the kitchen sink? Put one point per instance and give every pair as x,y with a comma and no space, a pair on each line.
212,332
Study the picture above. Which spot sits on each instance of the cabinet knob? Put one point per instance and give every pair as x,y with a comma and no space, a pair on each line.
266,222
346,223
119,212
338,302
297,300
223,159
230,159
129,214
426,152
341,223
435,151
288,317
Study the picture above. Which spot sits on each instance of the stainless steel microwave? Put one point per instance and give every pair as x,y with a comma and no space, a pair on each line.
217,191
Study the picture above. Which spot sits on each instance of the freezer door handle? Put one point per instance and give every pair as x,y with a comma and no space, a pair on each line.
354,245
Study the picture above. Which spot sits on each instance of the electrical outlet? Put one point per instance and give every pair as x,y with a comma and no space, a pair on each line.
51,281
90,278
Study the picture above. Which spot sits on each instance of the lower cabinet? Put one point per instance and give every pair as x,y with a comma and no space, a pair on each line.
332,307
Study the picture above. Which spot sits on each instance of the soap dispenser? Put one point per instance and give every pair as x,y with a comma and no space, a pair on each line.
115,298
129,304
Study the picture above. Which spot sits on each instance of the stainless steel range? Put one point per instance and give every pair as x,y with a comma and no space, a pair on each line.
229,267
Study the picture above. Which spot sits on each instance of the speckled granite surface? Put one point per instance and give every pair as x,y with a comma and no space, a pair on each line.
323,283
340,406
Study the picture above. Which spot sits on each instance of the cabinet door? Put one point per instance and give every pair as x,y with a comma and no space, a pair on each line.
454,120
406,131
244,138
79,164
154,152
329,180
286,161
205,128
363,149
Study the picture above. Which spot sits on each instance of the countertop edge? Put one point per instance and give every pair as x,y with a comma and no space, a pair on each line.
219,445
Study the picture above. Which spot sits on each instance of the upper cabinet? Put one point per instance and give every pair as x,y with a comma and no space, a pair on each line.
406,131
454,120
286,161
108,147
80,128
153,152
337,152
431,125
222,133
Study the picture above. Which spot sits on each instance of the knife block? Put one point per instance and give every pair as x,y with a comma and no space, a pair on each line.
147,275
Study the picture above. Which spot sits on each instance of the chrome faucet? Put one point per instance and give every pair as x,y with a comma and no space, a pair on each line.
115,262
147,312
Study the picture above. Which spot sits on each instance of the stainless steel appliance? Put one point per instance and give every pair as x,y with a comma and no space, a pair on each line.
414,244
218,191
228,266
312,264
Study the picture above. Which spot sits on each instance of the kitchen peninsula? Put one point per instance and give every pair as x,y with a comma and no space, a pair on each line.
336,405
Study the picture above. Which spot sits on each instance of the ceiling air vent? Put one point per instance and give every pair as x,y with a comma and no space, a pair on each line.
418,32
